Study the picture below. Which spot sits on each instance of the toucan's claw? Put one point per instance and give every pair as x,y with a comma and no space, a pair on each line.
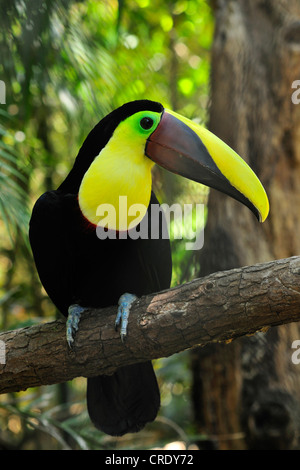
74,313
124,305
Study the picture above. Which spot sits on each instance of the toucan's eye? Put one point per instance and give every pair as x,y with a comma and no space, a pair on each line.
146,123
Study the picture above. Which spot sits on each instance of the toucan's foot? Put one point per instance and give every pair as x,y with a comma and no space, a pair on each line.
124,305
74,313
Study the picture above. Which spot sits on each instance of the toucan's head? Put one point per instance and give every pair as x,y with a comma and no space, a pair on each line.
118,154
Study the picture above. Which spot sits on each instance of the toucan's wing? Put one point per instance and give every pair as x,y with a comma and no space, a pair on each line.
155,255
47,237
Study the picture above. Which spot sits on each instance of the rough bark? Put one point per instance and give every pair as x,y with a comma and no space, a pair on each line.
218,308
255,60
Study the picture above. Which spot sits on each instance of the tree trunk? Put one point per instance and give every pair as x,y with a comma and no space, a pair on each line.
246,388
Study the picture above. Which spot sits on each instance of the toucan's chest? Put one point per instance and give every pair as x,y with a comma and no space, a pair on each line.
101,270
120,170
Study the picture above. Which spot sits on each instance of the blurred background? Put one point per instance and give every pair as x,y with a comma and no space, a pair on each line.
229,65
67,64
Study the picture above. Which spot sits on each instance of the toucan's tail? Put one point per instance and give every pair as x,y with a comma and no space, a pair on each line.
125,401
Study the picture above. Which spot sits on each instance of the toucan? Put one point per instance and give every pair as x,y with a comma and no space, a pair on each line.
80,269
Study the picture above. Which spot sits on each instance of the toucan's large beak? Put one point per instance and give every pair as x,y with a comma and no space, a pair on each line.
183,147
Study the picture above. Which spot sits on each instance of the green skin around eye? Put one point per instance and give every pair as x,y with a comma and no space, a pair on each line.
135,122
104,180
146,123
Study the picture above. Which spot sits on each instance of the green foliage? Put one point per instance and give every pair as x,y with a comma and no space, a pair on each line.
65,65
12,181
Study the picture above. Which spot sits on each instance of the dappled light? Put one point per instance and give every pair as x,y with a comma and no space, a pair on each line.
65,65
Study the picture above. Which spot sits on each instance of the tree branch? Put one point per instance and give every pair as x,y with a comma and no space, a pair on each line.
217,308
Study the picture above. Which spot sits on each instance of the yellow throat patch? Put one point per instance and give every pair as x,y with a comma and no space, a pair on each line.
120,170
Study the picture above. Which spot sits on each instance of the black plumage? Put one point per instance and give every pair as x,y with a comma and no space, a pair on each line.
76,267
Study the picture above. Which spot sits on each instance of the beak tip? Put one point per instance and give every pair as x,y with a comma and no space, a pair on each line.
262,219
182,147
262,216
